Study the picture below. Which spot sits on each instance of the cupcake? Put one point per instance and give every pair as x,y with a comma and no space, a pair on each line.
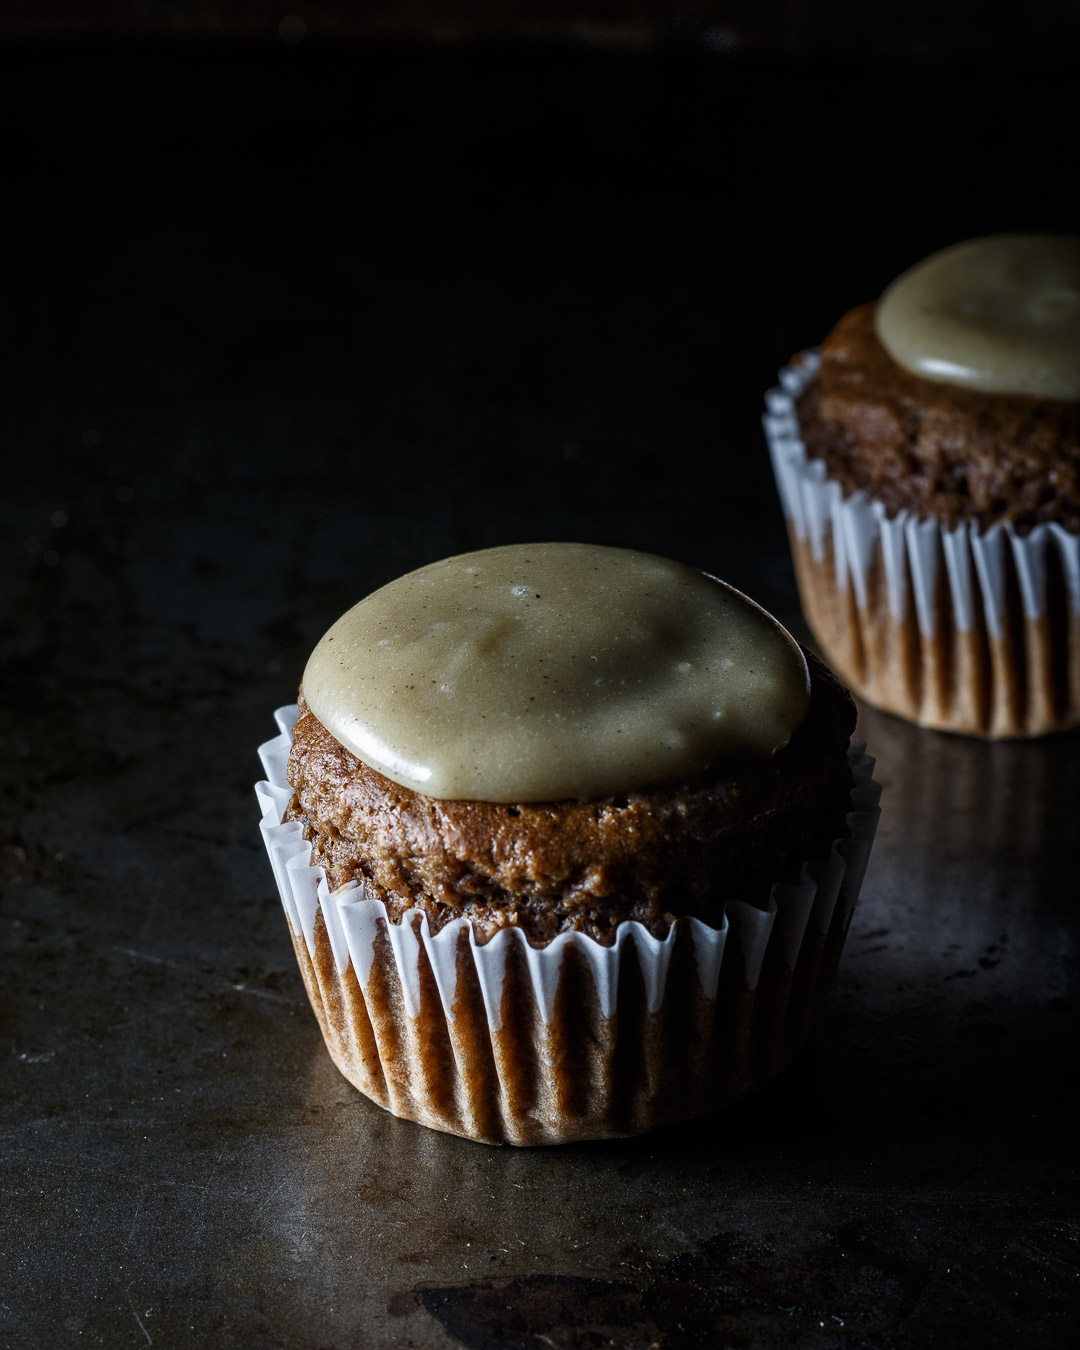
928,461
569,838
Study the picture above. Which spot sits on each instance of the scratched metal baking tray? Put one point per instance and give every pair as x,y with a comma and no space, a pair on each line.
223,423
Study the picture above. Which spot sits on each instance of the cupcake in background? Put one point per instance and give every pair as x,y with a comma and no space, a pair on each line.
569,839
928,462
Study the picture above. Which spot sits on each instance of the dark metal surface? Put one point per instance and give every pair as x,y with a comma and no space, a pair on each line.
238,400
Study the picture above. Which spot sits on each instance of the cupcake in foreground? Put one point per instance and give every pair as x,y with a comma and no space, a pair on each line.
929,467
569,842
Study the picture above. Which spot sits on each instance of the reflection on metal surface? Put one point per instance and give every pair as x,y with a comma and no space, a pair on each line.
976,871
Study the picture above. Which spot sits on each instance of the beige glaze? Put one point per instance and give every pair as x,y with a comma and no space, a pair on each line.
1000,314
540,672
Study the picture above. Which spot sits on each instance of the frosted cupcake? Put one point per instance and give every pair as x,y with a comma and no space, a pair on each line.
929,467
569,840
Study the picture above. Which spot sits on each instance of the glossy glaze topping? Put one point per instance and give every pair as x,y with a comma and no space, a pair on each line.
1000,314
543,672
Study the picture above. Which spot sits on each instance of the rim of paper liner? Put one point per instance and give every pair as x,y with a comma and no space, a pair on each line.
960,629
347,945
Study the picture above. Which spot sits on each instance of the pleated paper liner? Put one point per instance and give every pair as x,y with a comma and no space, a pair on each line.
964,630
508,1043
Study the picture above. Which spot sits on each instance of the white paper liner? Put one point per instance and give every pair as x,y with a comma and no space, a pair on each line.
822,899
913,550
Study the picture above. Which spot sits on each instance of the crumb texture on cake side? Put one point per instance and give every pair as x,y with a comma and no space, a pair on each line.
554,867
934,449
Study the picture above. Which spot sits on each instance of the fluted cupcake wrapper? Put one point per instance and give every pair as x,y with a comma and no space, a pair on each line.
960,629
506,1042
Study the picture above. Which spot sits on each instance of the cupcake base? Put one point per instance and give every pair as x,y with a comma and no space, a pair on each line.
502,1042
959,630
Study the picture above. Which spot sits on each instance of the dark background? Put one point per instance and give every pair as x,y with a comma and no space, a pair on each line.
287,310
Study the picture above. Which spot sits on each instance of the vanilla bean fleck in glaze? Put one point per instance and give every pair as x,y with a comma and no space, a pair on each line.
543,672
1000,314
